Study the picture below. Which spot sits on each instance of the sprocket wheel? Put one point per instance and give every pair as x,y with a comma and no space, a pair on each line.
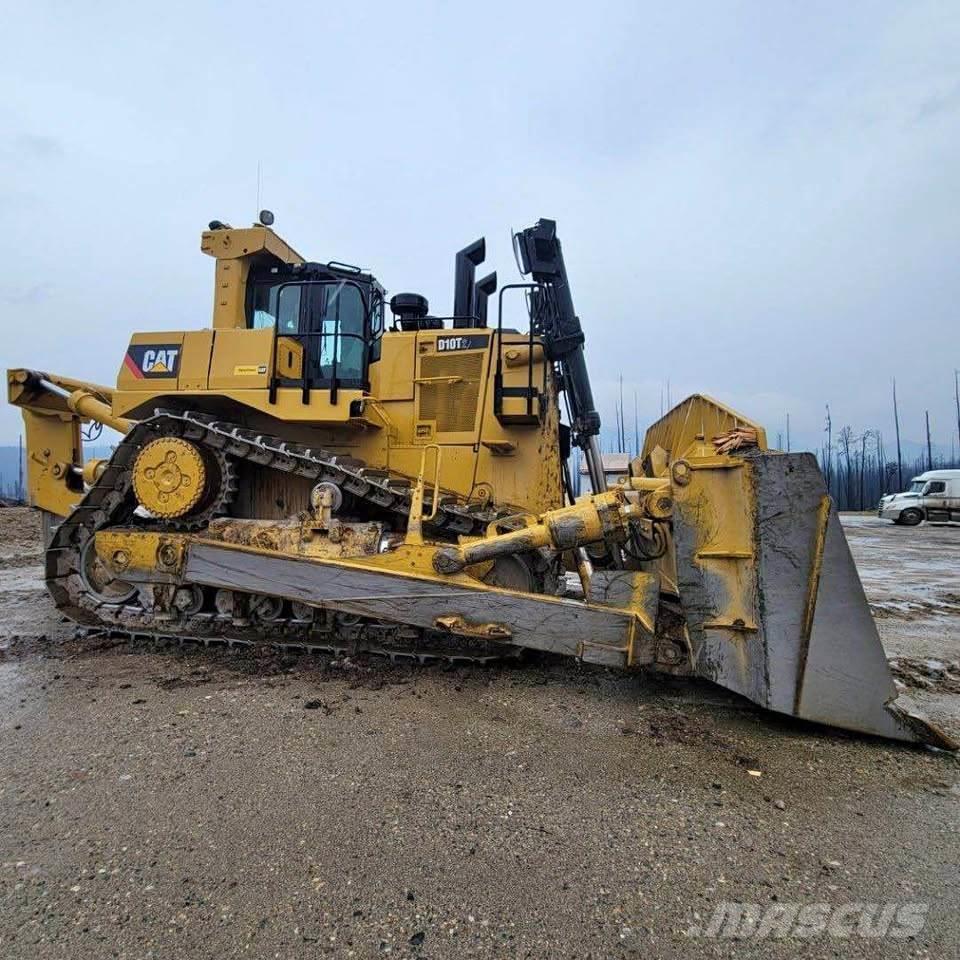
223,487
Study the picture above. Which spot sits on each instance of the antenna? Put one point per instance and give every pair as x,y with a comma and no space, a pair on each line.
259,183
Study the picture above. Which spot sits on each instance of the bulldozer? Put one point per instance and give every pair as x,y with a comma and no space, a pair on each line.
309,473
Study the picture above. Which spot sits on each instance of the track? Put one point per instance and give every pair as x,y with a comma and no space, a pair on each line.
111,501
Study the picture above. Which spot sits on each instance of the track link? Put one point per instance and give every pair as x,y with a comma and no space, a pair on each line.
111,501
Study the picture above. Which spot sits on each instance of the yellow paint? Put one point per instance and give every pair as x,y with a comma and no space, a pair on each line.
415,521
169,477
451,406
696,421
718,503
241,348
52,452
195,360
93,470
88,407
289,358
132,553
236,250
52,420
418,395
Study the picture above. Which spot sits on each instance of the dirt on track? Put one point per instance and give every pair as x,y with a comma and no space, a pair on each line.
191,805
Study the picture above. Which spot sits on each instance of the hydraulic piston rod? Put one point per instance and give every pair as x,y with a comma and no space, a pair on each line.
591,519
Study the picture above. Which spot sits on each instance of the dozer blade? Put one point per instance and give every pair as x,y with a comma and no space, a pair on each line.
774,606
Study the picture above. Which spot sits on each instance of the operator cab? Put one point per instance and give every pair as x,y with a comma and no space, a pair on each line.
335,312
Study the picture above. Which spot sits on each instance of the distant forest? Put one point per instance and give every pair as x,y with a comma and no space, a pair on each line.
13,469
860,466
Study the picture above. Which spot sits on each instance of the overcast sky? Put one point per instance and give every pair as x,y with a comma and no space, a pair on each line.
757,200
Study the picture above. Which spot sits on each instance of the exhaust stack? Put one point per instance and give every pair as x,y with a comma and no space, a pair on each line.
465,270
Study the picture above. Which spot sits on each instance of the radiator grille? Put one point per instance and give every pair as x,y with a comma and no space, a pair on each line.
452,405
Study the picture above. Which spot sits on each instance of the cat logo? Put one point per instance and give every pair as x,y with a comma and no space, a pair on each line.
147,360
159,361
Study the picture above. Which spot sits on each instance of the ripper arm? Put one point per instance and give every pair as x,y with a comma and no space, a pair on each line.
54,409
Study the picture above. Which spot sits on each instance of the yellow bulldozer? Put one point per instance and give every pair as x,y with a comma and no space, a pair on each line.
308,473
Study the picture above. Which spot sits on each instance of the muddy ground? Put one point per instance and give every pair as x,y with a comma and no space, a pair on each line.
215,805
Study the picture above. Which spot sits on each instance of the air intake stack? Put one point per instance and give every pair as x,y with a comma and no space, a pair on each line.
410,311
482,291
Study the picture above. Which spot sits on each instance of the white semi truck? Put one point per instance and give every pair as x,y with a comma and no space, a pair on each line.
933,496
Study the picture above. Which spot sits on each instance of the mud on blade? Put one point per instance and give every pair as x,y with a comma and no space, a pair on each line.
774,607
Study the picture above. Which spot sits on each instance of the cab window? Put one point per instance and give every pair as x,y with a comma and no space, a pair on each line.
327,317
276,304
376,325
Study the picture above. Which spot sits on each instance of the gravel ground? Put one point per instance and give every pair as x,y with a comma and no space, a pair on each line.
217,805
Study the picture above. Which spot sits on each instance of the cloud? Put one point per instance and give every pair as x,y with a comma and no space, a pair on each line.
27,296
41,146
936,106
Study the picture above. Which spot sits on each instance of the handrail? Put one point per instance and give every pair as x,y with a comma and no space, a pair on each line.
503,290
415,519
498,389
306,380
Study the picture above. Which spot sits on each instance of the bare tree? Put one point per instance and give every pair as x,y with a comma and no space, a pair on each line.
929,447
867,471
863,464
623,432
829,432
881,473
956,396
846,440
896,423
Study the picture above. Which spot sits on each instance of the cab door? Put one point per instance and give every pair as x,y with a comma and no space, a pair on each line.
935,501
953,499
